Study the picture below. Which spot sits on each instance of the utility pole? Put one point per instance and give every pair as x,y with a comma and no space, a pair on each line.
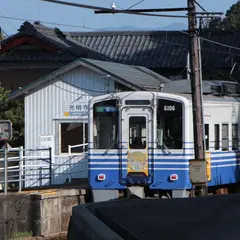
196,86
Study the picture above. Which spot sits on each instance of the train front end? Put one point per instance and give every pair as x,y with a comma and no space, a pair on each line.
137,139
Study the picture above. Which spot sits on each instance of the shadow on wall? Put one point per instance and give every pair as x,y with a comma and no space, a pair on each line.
69,168
63,169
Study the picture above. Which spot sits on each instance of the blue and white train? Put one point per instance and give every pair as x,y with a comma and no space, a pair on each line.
145,139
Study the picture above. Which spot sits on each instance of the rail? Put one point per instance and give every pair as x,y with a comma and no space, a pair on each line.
22,166
83,152
37,167
77,146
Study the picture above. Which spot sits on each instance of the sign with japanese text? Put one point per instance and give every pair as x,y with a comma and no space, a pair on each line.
46,142
76,109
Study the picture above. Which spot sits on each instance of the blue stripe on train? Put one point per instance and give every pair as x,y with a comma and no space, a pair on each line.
156,159
163,154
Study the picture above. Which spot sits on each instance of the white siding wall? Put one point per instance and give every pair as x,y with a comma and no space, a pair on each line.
46,105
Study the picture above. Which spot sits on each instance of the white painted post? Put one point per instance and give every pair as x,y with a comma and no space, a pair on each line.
69,150
69,165
20,168
5,168
69,169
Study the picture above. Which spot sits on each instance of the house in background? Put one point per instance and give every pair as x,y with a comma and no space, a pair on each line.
37,50
56,109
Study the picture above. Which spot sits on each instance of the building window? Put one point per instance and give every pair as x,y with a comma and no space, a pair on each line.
169,124
235,137
217,137
73,134
137,133
207,136
225,137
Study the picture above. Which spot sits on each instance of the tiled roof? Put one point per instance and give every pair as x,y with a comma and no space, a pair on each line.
162,49
151,49
70,49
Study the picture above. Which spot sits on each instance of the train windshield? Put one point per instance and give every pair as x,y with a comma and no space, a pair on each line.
169,124
105,125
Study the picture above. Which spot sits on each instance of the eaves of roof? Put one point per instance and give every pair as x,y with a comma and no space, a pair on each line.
57,73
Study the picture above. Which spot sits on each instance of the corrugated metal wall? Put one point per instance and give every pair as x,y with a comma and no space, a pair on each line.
47,104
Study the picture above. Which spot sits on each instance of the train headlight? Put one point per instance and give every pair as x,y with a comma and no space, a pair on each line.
173,177
101,177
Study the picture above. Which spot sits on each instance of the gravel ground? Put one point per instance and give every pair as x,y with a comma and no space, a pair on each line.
62,236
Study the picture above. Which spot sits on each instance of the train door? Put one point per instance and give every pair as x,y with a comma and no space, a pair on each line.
137,139
207,124
208,144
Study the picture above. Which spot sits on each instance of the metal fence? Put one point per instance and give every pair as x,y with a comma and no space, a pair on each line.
16,167
19,167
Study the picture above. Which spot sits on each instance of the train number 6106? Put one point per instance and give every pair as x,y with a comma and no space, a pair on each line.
169,108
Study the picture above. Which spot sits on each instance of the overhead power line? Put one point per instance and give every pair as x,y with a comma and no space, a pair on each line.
50,23
147,10
135,4
200,6
117,11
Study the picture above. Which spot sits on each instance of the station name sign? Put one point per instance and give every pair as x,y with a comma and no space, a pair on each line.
76,109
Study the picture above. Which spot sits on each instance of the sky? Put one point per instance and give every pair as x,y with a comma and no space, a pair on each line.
85,19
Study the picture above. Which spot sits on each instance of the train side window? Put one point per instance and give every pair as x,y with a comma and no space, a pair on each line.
137,132
105,126
206,126
234,136
169,124
217,136
225,137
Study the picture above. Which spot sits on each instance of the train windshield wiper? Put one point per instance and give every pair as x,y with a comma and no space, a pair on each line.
112,145
165,147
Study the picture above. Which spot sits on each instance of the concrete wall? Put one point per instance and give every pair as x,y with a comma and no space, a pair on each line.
15,215
43,214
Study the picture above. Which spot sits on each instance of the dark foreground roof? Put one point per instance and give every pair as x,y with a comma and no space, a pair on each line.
134,77
152,49
212,217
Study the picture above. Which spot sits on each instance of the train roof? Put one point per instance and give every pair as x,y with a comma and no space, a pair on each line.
213,90
177,96
208,86
212,98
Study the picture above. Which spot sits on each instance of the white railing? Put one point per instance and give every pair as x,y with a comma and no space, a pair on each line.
76,146
22,166
75,154
19,170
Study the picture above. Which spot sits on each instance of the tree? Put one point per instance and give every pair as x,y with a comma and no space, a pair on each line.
231,19
216,23
13,110
2,35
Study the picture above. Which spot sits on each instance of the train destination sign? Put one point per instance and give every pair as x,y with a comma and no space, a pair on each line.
101,109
